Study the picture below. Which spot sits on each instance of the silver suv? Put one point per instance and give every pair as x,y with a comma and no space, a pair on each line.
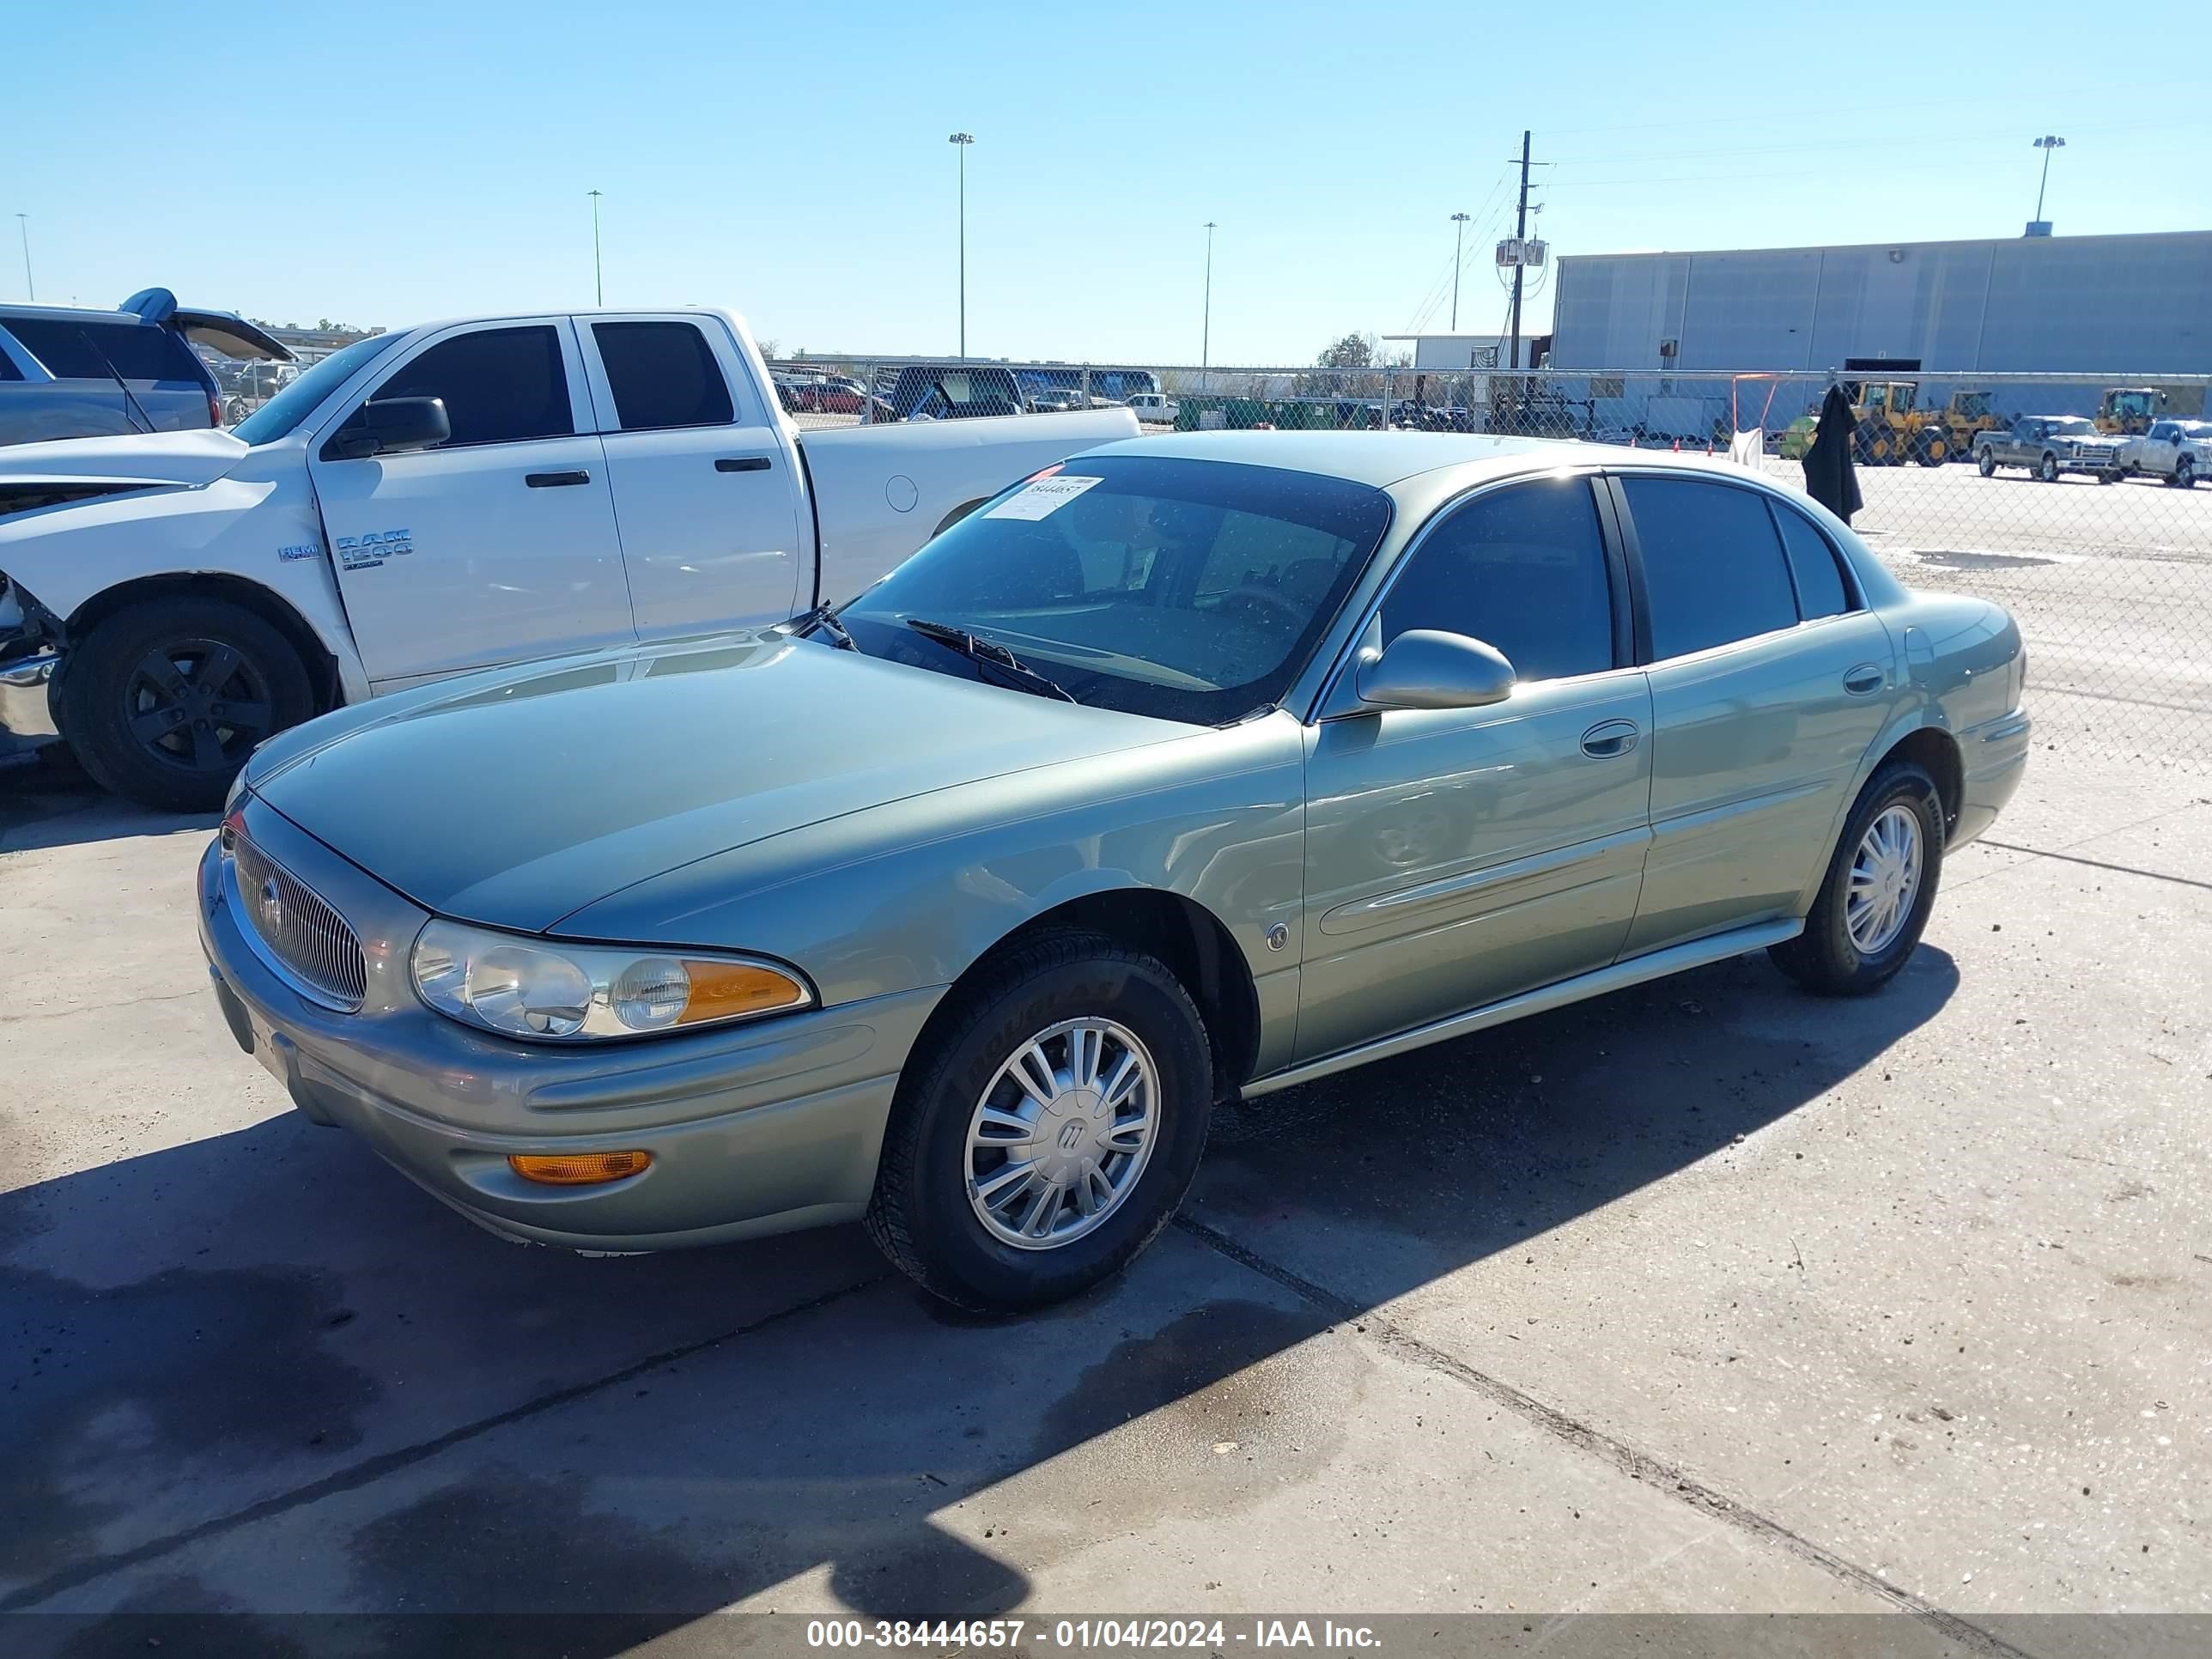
72,372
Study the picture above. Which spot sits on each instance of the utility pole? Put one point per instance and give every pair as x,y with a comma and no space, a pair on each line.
1206,322
599,282
1459,237
962,139
23,224
1520,234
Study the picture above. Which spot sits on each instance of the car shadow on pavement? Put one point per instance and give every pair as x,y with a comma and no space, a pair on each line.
47,802
261,1372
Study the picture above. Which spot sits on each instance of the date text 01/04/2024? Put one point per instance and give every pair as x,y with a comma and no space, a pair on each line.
1093,1634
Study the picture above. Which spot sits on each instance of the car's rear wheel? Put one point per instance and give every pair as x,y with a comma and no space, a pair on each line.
1880,884
1047,1127
164,700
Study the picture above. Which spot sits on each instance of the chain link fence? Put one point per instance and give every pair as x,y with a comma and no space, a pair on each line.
2081,502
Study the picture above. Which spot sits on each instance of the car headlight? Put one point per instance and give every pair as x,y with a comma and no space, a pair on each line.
549,991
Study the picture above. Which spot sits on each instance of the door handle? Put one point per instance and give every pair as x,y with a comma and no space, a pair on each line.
741,463
555,480
1610,737
1865,679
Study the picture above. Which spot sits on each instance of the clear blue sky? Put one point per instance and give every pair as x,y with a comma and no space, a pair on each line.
420,161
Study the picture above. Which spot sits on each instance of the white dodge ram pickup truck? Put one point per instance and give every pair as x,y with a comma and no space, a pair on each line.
441,499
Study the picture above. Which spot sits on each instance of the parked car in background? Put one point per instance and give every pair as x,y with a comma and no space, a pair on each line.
247,386
437,500
2179,451
68,372
1155,408
1204,766
2050,446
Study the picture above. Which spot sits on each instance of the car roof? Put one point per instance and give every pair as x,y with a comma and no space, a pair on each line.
71,313
1382,458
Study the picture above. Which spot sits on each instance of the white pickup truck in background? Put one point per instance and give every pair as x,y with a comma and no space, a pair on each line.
441,499
2179,451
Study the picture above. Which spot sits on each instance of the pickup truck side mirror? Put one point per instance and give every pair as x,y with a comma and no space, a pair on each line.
1426,668
390,426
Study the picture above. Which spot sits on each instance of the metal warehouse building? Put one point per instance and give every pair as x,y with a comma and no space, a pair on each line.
2094,304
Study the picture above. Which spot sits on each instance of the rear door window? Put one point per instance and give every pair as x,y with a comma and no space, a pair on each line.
73,349
663,374
1714,570
500,386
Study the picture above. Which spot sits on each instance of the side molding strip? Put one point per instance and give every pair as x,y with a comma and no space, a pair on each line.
1619,977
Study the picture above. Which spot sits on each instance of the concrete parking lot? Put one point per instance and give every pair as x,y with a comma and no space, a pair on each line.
1707,1295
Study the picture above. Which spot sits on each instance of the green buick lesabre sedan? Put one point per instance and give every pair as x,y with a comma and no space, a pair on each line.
1194,769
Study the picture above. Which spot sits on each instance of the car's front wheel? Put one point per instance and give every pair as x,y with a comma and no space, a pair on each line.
2048,471
1046,1129
1986,462
2184,472
1873,903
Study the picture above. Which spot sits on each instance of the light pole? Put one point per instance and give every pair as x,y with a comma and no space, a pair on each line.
960,141
1459,237
1205,320
23,224
2049,142
598,283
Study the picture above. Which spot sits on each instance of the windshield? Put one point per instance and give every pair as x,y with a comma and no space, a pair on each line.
1190,591
291,406
2074,428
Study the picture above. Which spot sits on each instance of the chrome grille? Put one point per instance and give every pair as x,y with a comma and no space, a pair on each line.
308,939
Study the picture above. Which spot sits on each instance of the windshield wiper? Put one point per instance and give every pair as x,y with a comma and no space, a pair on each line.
990,654
824,616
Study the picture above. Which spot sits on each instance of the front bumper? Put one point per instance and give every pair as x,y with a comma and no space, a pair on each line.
753,1129
26,711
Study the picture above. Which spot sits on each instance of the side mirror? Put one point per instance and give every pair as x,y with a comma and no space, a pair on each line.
1423,668
391,426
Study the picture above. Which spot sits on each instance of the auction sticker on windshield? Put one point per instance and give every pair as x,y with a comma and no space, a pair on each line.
1041,498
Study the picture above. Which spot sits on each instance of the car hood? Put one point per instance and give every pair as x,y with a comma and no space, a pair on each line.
151,457
517,798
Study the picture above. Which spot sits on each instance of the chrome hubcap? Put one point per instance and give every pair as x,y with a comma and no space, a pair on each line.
1884,880
1061,1133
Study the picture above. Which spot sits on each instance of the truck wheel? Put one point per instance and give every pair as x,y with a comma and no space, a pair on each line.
1046,1132
1985,462
2184,472
1930,450
164,700
1874,904
2048,471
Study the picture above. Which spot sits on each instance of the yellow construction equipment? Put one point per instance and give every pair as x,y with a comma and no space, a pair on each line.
1893,429
1966,414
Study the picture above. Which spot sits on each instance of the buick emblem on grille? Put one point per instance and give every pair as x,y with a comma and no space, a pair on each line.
270,902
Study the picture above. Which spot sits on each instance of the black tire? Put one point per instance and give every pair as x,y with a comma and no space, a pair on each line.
1930,450
176,747
922,1216
1824,958
1986,462
2184,472
2048,470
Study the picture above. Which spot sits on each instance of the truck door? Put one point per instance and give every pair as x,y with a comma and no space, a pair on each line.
703,489
497,545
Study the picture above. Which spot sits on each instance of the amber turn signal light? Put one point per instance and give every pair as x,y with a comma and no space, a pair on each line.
577,1169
